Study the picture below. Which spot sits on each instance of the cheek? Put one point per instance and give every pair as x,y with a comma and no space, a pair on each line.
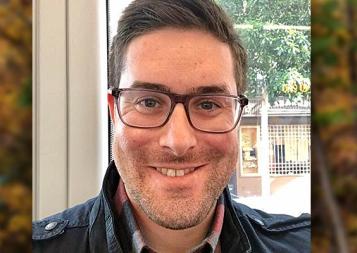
130,139
226,143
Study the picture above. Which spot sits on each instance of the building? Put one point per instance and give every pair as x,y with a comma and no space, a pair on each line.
275,147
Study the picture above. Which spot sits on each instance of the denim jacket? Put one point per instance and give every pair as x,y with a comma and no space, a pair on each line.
92,227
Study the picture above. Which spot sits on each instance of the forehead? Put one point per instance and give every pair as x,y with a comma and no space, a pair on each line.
181,60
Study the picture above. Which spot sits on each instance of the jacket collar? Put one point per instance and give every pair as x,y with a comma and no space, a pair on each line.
233,237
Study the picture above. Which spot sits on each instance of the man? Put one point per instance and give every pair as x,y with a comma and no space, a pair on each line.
177,71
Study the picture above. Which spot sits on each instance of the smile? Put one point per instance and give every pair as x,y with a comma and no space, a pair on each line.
175,172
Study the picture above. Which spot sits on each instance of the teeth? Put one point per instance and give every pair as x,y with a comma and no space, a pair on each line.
173,172
180,173
170,173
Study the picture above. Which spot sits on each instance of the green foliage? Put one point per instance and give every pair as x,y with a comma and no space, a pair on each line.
26,93
273,52
288,12
334,29
334,117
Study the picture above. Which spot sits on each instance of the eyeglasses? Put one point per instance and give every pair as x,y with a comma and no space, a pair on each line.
145,108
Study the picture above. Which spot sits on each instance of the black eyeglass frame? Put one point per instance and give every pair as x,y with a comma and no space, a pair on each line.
183,99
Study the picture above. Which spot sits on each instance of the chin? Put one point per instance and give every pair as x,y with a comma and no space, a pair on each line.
177,215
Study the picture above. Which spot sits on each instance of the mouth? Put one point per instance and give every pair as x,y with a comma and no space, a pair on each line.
169,172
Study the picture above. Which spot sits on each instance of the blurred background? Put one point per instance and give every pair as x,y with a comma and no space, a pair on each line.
333,139
334,125
15,125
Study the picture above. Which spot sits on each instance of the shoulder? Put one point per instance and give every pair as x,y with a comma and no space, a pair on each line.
68,227
275,222
275,231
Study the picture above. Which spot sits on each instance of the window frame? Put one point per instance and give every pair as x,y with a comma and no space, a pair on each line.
70,140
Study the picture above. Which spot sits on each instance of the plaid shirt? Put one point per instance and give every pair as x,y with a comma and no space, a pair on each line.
126,218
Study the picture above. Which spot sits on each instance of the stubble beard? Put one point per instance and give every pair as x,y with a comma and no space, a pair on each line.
174,213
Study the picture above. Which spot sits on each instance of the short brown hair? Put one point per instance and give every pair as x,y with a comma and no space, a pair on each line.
143,16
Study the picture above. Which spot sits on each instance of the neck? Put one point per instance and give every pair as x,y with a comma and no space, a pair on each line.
174,240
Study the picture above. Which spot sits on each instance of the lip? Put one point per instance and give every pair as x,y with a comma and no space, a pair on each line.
178,166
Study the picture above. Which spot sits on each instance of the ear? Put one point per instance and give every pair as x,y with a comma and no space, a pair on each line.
111,105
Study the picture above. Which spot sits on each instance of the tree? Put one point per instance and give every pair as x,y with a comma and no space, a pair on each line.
277,37
334,63
15,125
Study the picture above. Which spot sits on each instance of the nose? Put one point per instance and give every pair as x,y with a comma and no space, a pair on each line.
178,135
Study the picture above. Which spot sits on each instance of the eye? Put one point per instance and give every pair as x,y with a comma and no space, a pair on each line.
148,102
208,105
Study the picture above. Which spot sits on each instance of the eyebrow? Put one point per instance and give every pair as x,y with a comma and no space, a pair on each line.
210,89
206,89
150,86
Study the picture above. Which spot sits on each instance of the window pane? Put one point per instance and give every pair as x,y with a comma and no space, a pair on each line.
249,150
275,128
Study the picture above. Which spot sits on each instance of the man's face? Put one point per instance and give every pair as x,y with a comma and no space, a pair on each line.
180,61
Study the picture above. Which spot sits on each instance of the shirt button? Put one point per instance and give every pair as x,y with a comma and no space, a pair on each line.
51,226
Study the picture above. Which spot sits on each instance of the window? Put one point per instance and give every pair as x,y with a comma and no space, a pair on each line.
249,145
289,152
274,132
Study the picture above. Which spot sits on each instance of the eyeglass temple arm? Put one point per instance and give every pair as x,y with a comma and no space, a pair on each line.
114,91
243,100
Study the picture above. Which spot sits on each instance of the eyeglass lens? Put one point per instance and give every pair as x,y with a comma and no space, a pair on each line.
140,108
